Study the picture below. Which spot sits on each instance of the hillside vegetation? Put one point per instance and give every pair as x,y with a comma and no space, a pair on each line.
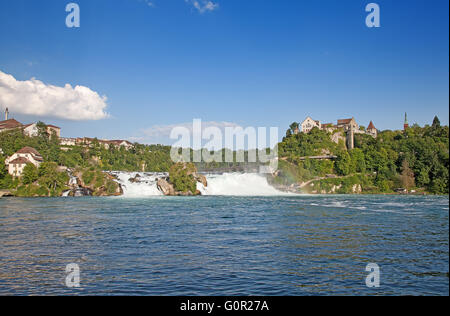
50,180
415,159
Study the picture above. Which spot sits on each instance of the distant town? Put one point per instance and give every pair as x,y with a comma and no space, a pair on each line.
17,162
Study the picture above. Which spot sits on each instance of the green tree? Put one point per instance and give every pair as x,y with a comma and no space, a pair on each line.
30,174
181,176
343,163
407,176
436,122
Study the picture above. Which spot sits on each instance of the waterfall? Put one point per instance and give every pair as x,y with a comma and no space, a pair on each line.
227,184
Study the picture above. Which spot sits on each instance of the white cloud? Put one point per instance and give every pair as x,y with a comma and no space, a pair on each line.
203,5
33,97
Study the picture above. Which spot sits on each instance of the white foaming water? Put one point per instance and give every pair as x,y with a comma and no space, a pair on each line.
228,184
239,184
145,185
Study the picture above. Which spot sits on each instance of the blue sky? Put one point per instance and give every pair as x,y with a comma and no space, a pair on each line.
247,62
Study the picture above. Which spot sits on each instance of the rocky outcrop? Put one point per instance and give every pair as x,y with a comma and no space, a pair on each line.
165,187
201,178
5,193
182,181
108,187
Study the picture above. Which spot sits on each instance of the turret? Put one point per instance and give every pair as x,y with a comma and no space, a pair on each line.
6,114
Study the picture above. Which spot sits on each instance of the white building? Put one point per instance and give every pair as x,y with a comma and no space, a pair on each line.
308,124
31,130
17,162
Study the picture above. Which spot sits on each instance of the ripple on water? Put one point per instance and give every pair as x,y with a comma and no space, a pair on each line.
305,245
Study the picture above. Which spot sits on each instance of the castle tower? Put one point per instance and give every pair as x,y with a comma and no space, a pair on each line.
6,114
406,125
350,138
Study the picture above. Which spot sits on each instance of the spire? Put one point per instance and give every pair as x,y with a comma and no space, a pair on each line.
406,125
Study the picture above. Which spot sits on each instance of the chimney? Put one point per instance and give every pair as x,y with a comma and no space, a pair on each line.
6,114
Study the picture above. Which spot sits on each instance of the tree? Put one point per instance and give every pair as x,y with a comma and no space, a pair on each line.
343,163
181,176
407,176
294,127
3,170
30,174
358,160
436,122
51,178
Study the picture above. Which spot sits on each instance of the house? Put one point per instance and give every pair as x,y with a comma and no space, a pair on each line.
17,162
348,124
54,130
9,125
121,143
31,130
67,141
308,124
329,127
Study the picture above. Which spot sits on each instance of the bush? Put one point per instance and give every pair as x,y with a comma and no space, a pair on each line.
182,179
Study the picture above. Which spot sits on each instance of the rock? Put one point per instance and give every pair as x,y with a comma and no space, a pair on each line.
81,192
202,179
357,188
165,187
5,193
136,179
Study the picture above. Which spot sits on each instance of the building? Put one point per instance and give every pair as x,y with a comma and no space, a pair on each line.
89,142
371,130
9,125
121,143
17,162
348,124
329,127
31,130
406,124
308,124
54,130
67,141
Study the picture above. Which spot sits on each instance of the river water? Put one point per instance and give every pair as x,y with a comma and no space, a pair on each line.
210,245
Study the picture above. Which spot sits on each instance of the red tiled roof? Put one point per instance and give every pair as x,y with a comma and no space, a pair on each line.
53,126
371,126
29,150
118,141
345,121
12,123
19,161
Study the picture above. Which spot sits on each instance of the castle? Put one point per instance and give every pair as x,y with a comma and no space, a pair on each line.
348,126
